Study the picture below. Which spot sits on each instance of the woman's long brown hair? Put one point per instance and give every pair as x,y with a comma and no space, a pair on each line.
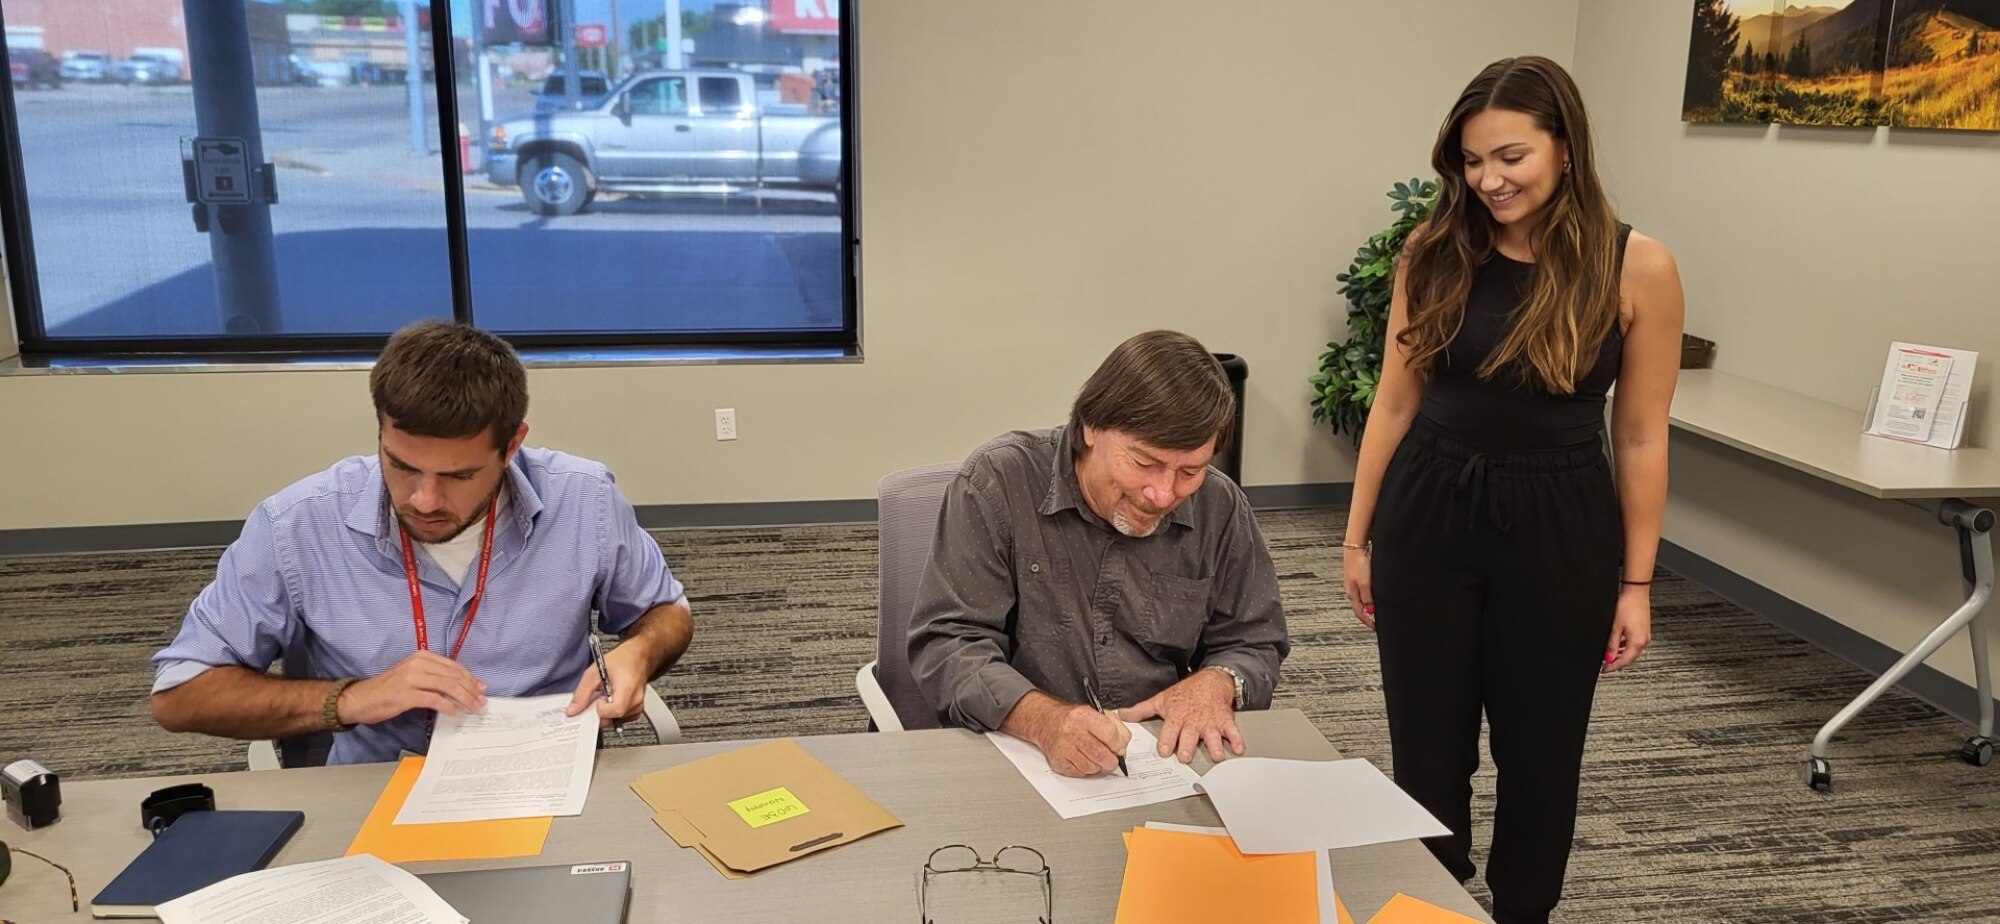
1572,299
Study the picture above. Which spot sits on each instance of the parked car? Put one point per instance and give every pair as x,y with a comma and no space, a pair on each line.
88,66
651,135
326,73
33,67
591,89
146,69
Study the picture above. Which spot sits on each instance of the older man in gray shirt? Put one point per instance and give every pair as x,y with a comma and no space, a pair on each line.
1103,562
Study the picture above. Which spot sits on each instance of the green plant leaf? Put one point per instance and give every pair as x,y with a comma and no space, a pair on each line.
1345,378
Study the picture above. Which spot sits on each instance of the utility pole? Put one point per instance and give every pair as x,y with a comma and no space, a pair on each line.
482,63
673,12
225,106
613,43
568,26
413,79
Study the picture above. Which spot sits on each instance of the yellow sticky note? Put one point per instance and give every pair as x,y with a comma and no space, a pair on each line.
452,840
768,807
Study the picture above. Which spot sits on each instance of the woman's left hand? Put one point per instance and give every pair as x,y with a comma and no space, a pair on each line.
1631,628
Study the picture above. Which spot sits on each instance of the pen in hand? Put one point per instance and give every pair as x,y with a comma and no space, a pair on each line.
1090,689
603,678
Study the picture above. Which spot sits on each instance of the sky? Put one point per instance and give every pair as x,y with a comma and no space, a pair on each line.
1749,8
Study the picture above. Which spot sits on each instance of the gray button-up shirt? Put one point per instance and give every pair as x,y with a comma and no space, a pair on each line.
1028,588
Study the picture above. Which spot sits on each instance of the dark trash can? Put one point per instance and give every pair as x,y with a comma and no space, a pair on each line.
1229,460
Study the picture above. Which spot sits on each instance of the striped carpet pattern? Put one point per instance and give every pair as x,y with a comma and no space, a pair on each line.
1693,804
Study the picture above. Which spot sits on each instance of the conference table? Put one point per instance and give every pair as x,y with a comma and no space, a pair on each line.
947,786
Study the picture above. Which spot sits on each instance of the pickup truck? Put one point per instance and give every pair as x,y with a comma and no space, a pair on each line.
663,132
145,69
91,66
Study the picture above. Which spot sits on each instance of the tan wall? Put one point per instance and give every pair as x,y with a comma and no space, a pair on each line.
1041,179
1805,252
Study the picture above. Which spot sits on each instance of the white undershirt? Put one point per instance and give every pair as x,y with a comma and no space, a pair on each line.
456,555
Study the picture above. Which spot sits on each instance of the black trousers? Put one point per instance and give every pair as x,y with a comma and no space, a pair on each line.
1495,579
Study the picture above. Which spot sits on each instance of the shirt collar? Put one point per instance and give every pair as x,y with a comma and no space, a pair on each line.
1065,493
371,515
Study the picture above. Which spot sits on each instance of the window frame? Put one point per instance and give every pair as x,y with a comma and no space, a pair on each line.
24,288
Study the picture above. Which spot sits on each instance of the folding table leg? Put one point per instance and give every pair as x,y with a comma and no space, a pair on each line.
1975,545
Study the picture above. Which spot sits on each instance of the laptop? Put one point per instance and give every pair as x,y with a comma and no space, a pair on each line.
580,893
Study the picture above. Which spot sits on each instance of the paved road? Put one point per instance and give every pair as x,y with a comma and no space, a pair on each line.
360,234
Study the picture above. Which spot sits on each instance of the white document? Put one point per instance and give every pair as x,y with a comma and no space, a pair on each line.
1923,395
1949,431
517,758
1329,911
357,888
1292,806
1154,778
1913,383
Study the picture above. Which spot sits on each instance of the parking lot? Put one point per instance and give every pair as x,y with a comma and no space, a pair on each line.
360,228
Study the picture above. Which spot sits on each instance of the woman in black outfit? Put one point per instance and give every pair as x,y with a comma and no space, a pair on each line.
1501,558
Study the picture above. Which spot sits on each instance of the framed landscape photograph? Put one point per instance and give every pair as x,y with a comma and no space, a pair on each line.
1943,68
1901,63
1820,64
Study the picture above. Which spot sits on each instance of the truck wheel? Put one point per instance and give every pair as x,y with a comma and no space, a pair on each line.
555,184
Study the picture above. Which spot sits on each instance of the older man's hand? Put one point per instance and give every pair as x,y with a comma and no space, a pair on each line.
1077,740
1080,741
1197,711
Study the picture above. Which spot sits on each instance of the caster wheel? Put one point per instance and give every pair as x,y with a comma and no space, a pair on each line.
1819,774
1978,751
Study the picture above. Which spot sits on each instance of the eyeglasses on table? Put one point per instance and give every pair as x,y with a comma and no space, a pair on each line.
961,859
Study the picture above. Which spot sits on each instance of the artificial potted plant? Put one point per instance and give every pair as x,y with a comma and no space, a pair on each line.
1344,386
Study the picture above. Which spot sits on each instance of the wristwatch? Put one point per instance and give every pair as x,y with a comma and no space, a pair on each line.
1235,677
329,710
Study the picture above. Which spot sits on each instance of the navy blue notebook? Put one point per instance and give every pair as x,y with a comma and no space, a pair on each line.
198,850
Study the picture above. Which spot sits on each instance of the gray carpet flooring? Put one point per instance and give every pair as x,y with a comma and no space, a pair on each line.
1693,807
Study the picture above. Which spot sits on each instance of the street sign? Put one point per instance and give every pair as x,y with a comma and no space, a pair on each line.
507,22
590,35
806,17
222,171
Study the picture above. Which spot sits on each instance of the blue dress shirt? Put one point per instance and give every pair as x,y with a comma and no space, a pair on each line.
320,565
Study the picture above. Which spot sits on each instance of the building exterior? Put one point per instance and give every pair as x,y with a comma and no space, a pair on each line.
154,26
68,26
372,47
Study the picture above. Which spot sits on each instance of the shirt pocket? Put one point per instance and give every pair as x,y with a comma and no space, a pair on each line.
1175,611
1047,598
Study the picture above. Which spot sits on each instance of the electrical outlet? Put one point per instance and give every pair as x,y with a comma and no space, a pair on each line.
725,423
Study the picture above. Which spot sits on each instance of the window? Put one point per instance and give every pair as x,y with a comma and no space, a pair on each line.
320,206
586,85
659,96
721,95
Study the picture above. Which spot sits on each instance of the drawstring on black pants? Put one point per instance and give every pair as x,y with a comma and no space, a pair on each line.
1473,476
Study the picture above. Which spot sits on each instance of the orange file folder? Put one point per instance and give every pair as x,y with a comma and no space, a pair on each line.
1173,877
1406,910
452,840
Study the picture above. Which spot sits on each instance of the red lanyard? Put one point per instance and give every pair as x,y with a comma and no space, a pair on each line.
478,590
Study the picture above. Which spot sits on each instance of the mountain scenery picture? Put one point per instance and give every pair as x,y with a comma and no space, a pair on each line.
1902,63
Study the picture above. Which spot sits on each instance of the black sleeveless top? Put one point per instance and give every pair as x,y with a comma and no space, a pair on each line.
1510,412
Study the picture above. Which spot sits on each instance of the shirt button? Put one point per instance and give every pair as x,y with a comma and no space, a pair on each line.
1035,569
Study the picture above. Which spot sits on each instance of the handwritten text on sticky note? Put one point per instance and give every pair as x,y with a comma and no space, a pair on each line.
769,807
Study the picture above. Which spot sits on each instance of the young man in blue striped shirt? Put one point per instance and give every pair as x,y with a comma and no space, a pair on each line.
453,565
